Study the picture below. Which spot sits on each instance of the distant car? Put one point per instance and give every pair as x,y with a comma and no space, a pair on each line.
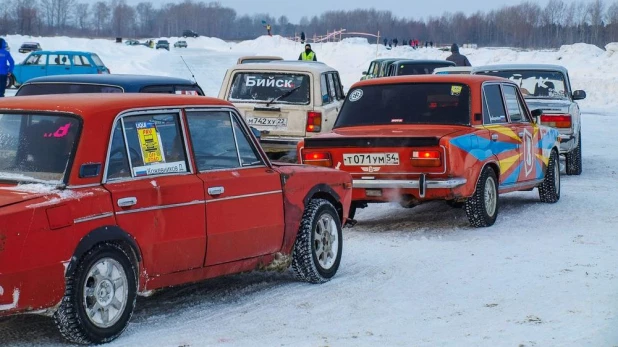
453,70
548,88
377,68
69,84
49,63
27,47
285,100
132,43
257,59
163,44
460,138
189,33
416,67
106,197
180,44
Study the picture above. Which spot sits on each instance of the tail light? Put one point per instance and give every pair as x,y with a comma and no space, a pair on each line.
556,120
426,159
314,122
317,159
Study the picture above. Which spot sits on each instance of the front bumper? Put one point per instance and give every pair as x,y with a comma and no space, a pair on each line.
422,184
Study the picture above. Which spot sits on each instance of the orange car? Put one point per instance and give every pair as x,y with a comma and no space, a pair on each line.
463,139
107,196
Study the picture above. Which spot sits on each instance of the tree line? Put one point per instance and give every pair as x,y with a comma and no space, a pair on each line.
526,25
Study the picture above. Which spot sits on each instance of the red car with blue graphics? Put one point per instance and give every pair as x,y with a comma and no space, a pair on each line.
460,138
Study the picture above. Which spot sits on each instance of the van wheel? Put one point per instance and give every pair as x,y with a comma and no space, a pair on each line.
482,207
99,297
317,250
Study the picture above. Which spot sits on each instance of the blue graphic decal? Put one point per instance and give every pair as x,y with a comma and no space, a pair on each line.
481,148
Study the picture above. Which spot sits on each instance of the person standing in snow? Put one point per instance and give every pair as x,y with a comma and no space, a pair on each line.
395,42
302,37
308,54
6,66
457,58
268,28
385,42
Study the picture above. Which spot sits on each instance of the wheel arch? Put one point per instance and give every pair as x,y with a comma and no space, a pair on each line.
494,166
326,192
105,234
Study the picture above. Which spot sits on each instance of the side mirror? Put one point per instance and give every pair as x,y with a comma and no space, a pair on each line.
579,95
364,73
256,133
536,115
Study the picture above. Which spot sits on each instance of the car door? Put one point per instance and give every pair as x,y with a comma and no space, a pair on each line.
58,64
244,199
34,66
157,197
526,132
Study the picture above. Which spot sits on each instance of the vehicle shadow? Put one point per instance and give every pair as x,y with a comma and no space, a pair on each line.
201,298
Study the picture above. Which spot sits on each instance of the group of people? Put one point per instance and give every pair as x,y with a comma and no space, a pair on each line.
6,66
414,43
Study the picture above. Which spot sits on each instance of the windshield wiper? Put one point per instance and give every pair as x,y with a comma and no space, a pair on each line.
286,94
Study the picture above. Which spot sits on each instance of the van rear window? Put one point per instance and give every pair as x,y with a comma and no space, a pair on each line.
278,88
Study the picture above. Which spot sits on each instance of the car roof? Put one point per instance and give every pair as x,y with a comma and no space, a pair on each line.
462,79
127,82
423,61
30,43
501,67
286,65
62,52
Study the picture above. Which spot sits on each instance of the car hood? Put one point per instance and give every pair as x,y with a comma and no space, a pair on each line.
553,105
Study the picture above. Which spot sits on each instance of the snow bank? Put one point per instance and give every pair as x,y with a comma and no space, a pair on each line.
591,68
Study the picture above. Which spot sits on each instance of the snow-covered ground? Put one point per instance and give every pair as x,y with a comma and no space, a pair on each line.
543,275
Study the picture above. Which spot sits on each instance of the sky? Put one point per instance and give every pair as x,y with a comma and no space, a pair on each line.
296,9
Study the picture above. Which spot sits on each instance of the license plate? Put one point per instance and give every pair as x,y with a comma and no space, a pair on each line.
376,159
268,121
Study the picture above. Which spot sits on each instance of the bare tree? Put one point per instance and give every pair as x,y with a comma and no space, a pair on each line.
101,14
82,12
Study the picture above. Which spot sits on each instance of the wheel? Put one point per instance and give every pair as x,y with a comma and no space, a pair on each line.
574,158
99,297
317,251
549,190
482,207
10,80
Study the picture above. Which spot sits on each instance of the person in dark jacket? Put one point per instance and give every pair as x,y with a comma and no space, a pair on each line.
302,37
308,54
6,66
385,42
457,58
395,42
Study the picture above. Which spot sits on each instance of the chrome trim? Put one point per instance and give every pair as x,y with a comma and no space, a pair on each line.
93,217
243,196
235,138
431,184
533,183
233,169
163,207
84,186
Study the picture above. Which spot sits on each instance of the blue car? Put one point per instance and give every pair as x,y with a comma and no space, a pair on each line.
50,63
70,84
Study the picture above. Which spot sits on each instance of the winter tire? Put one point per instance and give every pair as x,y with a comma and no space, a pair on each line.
482,207
317,250
574,158
10,80
549,190
99,297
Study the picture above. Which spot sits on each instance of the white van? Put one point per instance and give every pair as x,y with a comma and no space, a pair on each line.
285,100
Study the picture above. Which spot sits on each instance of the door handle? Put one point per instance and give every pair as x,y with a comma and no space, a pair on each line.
214,191
494,137
521,134
127,202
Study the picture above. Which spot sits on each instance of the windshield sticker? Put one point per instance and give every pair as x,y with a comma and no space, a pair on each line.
150,143
456,90
356,95
159,169
61,132
253,81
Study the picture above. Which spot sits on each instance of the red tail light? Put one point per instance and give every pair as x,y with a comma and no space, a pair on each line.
426,158
317,159
556,120
314,122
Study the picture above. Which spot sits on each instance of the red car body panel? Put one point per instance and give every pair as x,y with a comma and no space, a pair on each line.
176,230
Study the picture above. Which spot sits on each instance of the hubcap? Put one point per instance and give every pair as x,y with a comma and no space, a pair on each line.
491,197
326,241
105,293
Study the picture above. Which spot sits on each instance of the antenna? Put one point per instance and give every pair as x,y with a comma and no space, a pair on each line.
188,68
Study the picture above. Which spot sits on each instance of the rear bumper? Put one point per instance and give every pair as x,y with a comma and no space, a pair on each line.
567,143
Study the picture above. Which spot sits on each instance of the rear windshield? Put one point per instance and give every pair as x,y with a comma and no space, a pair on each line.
65,88
97,60
35,147
419,103
281,88
534,84
418,69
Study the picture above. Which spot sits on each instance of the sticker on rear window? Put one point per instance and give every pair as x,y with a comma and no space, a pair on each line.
456,90
397,120
356,95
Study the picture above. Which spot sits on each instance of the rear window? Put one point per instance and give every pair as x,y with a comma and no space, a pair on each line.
418,69
36,147
97,60
419,103
65,88
281,88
